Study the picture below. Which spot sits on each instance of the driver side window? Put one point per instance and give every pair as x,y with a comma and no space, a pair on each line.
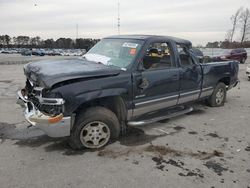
158,56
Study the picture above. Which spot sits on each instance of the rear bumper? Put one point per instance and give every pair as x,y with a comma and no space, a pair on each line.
58,126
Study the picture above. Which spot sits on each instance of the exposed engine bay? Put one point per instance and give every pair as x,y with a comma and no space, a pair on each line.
49,103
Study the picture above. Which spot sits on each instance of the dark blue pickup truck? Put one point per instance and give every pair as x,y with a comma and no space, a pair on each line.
124,80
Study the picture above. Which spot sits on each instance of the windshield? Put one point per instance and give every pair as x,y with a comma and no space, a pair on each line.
114,52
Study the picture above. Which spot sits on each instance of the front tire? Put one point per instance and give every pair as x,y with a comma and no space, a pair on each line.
94,128
218,96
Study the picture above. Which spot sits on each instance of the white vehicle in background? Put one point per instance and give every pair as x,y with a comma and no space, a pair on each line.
248,72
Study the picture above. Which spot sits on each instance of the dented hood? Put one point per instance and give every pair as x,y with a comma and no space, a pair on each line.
49,72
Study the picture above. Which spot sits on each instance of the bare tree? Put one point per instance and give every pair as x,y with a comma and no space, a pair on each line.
228,35
234,18
245,24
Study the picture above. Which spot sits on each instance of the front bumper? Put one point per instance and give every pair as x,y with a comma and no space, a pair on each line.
57,126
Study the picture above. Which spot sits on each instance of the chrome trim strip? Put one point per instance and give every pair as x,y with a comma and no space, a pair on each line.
167,102
189,96
51,101
207,88
206,92
38,88
190,92
156,100
170,101
186,93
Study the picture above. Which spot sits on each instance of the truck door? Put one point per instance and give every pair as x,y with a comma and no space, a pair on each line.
156,85
190,76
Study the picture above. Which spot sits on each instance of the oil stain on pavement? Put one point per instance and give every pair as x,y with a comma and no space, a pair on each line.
216,167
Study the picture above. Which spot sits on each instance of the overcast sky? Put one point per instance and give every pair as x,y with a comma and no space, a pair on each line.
197,20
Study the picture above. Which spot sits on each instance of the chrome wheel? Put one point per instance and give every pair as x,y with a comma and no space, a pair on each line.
95,134
219,96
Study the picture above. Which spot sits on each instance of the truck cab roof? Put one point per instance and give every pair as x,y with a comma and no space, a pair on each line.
152,37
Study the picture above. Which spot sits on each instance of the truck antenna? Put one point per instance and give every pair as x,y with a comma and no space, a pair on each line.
76,31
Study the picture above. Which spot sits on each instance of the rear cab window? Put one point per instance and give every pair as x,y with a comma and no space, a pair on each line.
186,60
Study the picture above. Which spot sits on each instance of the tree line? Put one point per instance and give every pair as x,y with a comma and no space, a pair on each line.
36,42
239,34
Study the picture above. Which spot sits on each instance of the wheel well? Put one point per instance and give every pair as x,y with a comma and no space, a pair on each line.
115,104
225,80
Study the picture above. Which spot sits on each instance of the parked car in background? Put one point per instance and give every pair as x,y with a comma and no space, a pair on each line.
6,51
26,52
198,53
238,54
38,52
42,52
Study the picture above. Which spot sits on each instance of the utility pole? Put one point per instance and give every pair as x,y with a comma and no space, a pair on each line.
76,31
118,19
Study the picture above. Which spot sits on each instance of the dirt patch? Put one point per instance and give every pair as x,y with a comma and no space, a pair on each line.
63,146
32,137
190,173
115,154
158,151
5,129
5,81
178,128
214,135
21,132
35,142
247,148
163,150
216,167
159,161
162,163
192,132
136,137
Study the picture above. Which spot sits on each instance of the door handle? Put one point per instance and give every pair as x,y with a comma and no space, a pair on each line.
144,84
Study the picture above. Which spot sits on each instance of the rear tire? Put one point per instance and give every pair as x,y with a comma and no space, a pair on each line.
94,128
218,96
243,61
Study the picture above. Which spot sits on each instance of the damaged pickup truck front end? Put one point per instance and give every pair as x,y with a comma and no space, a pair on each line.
44,105
43,112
